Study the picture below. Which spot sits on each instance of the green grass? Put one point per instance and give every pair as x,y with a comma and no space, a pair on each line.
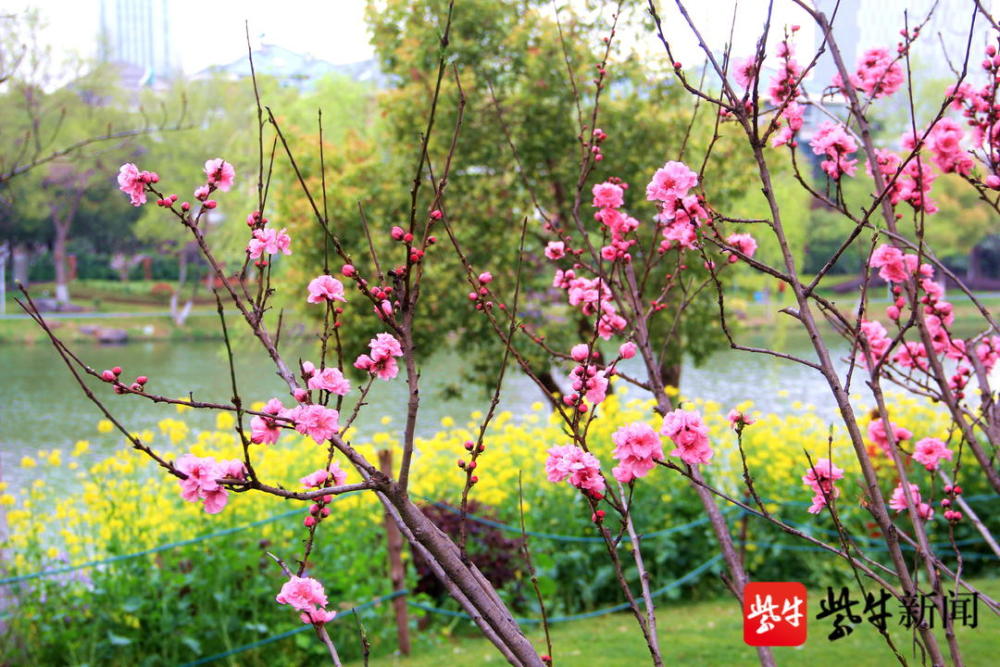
711,633
115,296
111,297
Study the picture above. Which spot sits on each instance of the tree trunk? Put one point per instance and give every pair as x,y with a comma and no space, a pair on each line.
182,269
670,374
463,580
553,392
397,569
61,224
972,272
21,261
59,257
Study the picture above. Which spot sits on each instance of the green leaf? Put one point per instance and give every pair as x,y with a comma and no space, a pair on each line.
192,644
118,640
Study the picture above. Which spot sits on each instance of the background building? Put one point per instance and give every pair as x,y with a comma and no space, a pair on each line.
135,35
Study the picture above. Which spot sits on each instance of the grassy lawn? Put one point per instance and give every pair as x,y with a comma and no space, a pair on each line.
756,316
100,298
114,296
711,633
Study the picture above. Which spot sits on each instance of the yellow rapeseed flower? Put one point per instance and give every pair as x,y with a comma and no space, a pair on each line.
224,421
105,426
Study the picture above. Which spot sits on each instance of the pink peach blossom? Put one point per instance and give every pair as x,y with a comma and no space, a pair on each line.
269,241
745,71
382,363
608,195
690,435
317,617
820,478
738,419
555,250
832,140
929,452
637,448
133,182
332,476
877,337
988,352
220,174
911,354
898,501
325,288
264,430
202,482
596,387
821,475
877,434
892,265
581,468
670,182
745,243
302,593
879,74
318,422
332,380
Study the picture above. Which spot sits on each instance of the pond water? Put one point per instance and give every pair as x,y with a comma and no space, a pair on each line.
41,407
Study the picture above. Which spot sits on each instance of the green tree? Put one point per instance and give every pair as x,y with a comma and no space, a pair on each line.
519,89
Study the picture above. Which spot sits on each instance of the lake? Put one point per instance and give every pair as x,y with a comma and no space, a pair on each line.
41,407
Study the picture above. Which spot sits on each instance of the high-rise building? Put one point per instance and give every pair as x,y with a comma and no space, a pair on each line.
860,25
136,34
